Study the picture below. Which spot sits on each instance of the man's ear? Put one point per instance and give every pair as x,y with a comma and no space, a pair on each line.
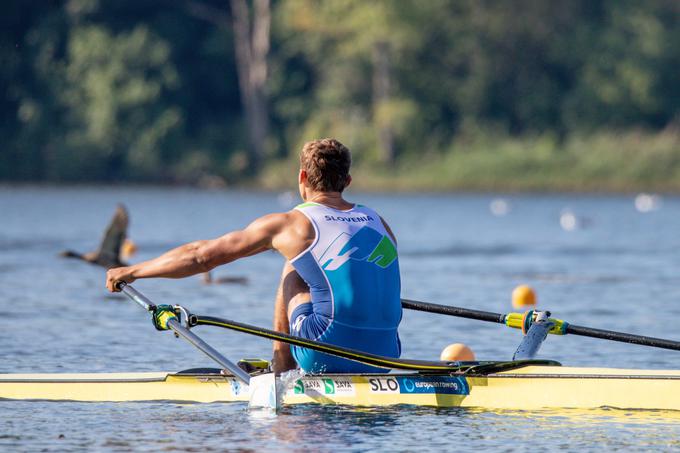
302,176
349,181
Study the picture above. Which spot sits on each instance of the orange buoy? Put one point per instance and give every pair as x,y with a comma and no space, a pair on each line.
457,352
523,296
128,249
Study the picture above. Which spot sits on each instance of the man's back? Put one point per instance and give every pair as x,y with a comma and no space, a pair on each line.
352,270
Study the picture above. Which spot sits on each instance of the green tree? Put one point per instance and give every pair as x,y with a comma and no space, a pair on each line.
626,77
350,47
113,93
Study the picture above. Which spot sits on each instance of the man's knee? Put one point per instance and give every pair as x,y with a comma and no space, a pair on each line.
293,286
297,300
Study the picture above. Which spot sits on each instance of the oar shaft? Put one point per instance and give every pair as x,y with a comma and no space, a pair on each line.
185,333
453,311
623,337
209,350
568,328
338,351
136,296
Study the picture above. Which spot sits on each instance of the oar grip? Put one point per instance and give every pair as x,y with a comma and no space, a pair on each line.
119,285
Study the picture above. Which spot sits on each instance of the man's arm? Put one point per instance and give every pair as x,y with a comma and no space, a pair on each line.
202,256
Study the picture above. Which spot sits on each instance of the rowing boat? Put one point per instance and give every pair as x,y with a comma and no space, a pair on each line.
529,387
522,383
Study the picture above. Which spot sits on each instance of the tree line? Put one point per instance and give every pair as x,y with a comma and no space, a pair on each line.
174,91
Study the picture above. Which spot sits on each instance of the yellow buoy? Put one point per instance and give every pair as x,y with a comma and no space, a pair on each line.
523,296
457,352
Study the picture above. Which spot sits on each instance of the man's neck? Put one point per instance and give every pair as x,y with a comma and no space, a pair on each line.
331,199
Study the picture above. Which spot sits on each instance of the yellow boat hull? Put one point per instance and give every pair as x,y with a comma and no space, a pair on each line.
533,387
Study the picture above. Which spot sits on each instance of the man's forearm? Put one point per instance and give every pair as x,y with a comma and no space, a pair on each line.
202,256
183,261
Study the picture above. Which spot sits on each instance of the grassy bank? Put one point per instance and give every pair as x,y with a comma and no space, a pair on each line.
603,162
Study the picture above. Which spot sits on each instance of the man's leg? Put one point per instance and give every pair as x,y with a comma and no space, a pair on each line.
292,292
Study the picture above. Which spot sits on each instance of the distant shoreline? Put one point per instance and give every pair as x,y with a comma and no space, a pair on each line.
357,188
608,162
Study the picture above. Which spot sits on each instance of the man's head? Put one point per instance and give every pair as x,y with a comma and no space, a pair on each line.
324,165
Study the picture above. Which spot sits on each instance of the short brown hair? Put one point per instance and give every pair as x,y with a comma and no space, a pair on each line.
327,163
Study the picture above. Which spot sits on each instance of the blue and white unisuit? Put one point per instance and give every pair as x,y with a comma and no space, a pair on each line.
352,272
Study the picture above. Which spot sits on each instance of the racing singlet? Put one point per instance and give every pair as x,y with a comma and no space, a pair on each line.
352,272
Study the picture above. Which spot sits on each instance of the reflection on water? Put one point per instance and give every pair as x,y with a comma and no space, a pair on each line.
215,427
305,425
619,273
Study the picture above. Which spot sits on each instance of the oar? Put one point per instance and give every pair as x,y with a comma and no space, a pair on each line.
516,320
339,351
165,318
366,357
185,333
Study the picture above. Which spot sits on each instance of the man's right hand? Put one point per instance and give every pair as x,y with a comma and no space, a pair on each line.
117,275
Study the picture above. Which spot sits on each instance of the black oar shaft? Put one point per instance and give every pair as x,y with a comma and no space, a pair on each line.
453,311
623,337
339,351
570,328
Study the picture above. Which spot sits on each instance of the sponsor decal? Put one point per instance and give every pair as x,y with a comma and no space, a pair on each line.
440,385
325,386
343,386
384,385
328,386
419,384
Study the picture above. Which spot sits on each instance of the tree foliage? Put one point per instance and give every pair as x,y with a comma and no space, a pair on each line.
116,90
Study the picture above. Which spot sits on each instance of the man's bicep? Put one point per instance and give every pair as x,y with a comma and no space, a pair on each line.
255,238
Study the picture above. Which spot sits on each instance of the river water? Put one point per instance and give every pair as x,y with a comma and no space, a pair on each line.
619,270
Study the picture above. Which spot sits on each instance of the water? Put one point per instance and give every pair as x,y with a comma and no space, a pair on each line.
619,272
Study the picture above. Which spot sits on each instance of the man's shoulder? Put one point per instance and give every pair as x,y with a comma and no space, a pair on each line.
295,233
294,218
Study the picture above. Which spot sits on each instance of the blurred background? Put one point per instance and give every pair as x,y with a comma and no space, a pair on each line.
436,95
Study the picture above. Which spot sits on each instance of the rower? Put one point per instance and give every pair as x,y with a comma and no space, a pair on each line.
109,253
340,282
